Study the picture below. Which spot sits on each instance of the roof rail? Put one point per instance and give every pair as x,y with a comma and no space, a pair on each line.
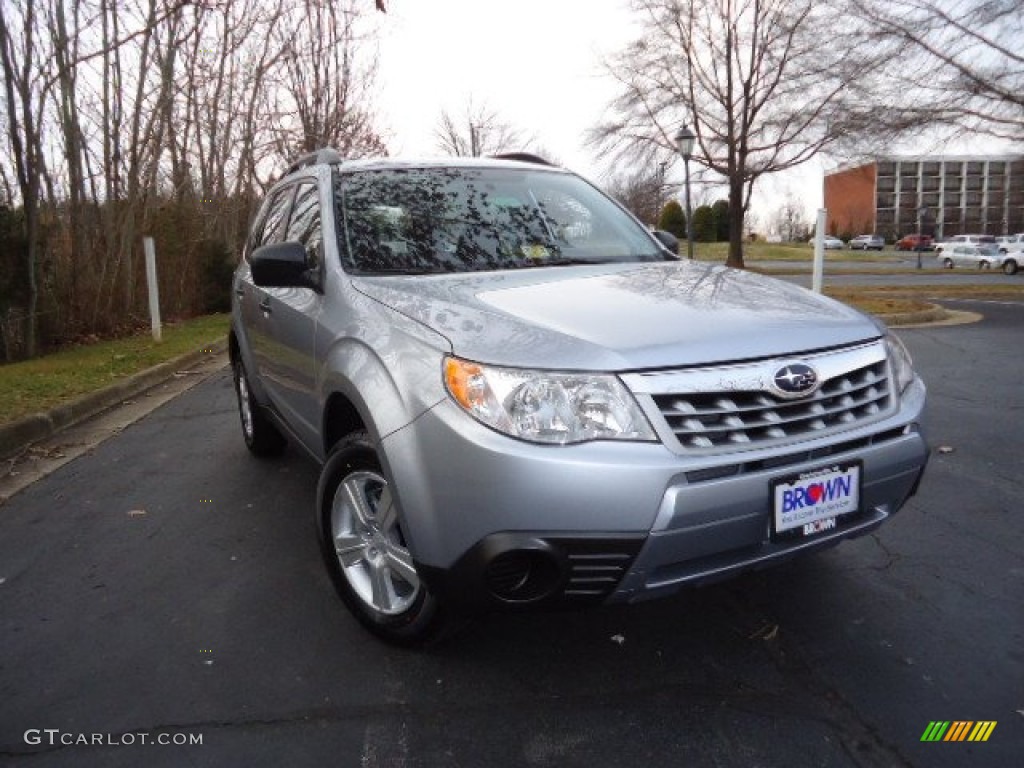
523,157
325,155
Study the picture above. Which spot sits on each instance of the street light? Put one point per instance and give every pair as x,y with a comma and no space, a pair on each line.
684,142
921,213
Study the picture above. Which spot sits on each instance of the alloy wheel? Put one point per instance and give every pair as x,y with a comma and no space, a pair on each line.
369,545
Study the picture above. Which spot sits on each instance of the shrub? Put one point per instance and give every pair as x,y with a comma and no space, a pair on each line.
704,224
673,219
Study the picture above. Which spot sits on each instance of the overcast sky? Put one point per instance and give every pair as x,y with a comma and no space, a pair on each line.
535,62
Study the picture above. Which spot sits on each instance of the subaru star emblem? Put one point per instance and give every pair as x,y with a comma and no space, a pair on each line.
795,380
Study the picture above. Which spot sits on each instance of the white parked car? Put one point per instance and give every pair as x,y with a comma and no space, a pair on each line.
833,243
964,240
983,256
1008,243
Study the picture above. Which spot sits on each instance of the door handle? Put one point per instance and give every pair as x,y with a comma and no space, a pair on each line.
265,304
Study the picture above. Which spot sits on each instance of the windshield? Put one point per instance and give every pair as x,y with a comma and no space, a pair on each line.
444,219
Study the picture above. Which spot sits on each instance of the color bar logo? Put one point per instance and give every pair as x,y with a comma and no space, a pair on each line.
958,730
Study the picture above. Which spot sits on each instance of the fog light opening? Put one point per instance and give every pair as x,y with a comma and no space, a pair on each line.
523,576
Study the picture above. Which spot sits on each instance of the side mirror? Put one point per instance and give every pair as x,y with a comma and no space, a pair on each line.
281,265
667,239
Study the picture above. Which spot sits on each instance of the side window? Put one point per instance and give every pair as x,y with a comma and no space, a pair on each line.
256,230
305,223
277,214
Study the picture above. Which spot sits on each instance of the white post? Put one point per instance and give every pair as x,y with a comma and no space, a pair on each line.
819,252
154,292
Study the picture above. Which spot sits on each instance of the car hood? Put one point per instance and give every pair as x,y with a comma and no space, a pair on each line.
620,317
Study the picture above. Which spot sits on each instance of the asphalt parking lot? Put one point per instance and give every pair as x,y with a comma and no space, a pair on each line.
166,586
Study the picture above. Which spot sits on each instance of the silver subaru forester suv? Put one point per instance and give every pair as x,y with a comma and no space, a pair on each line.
521,398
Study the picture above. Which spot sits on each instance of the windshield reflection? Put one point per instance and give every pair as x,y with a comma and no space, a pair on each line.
442,220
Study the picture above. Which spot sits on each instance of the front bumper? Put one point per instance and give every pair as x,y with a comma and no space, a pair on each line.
496,522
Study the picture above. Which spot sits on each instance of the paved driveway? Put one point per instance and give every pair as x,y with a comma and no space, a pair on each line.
167,587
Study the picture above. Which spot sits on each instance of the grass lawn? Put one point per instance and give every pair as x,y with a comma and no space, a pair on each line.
762,251
37,385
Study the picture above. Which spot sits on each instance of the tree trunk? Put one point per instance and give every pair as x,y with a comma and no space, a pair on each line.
738,204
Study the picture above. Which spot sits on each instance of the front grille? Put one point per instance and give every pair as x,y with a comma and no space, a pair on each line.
734,408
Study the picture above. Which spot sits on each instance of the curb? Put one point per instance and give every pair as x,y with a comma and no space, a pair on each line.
17,435
933,314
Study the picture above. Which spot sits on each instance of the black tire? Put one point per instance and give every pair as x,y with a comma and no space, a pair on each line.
365,550
1010,267
262,438
947,263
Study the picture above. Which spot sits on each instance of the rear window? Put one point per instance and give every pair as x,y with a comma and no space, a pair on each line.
436,220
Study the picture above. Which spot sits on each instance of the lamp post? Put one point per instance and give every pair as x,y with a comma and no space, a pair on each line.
921,213
684,142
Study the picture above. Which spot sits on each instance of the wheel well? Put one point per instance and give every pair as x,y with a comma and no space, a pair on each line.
233,350
340,418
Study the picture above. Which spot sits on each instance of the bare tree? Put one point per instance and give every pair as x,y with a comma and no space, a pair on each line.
479,131
790,222
22,97
120,118
642,191
765,84
961,63
327,78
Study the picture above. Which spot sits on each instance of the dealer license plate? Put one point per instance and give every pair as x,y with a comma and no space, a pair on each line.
812,502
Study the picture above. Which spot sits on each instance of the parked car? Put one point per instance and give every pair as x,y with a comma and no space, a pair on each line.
964,240
914,243
833,243
519,398
867,243
1009,243
983,256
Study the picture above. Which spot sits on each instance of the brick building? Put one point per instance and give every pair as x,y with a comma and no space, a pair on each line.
968,194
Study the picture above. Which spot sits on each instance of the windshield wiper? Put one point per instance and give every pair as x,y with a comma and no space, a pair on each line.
567,262
401,271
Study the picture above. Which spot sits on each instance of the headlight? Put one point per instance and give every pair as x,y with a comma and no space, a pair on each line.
544,406
899,359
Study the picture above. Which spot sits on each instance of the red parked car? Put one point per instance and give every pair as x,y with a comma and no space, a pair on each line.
914,242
